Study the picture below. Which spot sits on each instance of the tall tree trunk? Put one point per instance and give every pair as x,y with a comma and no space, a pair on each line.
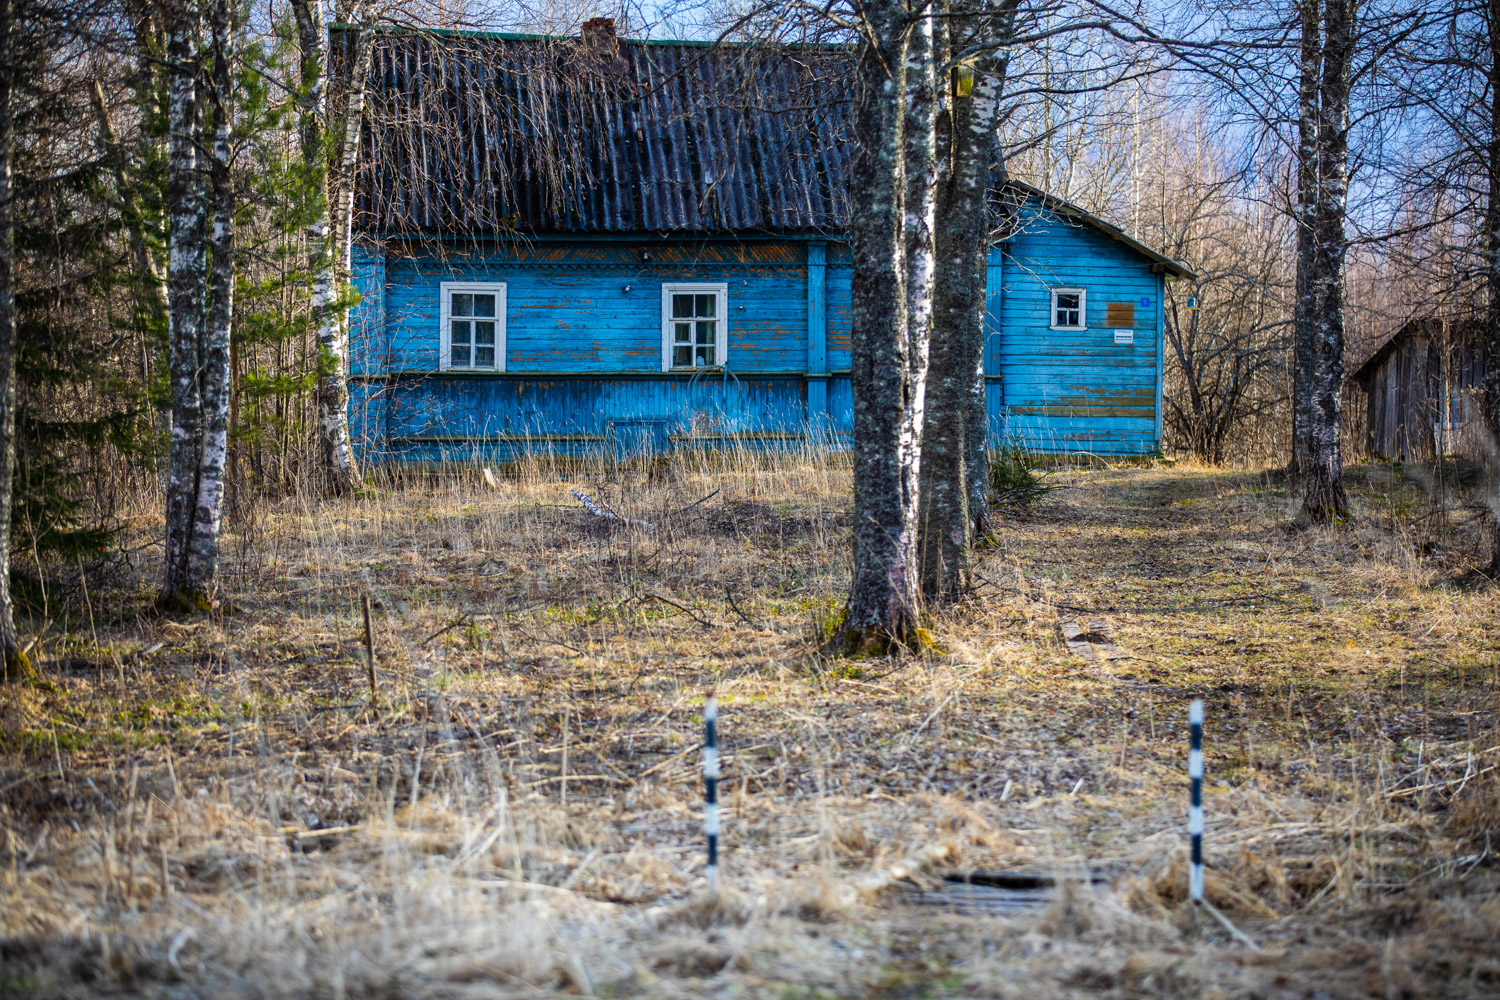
1326,500
342,180
186,277
1305,322
954,439
17,666
203,553
332,393
1491,385
883,603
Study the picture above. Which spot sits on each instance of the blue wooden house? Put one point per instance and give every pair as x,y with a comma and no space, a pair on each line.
575,245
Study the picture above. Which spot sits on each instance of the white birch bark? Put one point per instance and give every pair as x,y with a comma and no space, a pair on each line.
203,553
1326,500
186,276
954,441
332,392
1304,325
1491,385
16,665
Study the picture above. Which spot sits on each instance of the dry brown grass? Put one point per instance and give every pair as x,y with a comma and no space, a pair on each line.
227,816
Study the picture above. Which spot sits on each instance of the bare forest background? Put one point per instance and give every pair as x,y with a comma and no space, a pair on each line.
1180,123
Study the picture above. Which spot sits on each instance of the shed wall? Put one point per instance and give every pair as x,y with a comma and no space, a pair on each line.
1422,399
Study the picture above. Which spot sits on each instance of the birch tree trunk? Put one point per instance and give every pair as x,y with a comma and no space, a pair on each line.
203,552
17,666
1304,324
954,440
883,605
1491,384
186,276
332,394
1326,501
342,180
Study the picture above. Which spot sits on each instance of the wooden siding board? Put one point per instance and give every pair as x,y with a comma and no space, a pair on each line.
510,406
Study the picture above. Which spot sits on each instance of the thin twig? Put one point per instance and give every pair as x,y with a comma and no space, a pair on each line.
688,611
455,623
1234,931
743,617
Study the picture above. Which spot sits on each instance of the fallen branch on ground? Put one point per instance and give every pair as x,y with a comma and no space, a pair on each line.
686,610
598,510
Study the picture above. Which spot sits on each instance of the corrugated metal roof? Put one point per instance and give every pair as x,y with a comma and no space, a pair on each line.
486,133
473,132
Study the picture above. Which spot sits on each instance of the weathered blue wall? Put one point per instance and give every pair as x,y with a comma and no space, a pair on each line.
583,359
1077,390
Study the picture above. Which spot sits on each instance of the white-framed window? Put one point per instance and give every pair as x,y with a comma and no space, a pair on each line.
1069,308
694,325
473,335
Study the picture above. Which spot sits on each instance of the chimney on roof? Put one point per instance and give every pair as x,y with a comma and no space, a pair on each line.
598,34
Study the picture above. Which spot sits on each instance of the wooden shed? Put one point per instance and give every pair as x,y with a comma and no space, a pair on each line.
1422,391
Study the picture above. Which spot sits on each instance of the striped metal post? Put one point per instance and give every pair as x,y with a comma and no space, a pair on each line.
711,790
1195,810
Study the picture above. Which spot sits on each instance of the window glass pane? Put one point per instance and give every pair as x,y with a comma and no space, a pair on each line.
460,356
705,305
682,356
484,333
1067,300
484,357
682,333
460,331
463,304
484,305
682,305
703,356
706,333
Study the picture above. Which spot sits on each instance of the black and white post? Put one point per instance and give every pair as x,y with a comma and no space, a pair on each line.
711,790
1195,810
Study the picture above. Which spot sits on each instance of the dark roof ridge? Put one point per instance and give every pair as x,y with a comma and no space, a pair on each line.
521,36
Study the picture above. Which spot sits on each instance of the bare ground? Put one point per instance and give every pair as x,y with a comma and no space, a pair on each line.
213,808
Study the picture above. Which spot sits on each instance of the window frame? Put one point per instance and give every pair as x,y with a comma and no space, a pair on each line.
720,289
446,290
1083,310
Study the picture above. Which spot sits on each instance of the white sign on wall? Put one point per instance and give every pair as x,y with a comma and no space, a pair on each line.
1124,336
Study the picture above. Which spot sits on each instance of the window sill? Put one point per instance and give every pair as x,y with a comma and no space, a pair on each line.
1070,329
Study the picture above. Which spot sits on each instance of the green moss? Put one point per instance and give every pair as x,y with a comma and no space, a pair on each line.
187,602
18,666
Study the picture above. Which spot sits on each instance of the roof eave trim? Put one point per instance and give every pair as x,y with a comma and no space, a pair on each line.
1174,268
